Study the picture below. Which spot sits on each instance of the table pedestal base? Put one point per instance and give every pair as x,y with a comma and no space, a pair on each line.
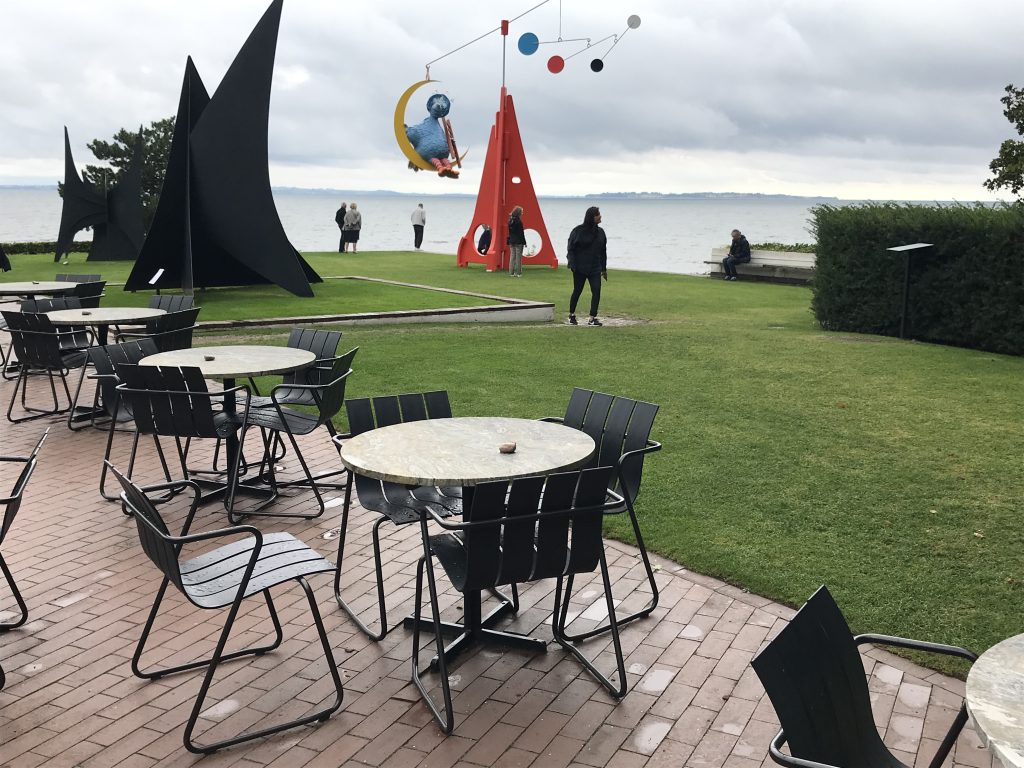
476,629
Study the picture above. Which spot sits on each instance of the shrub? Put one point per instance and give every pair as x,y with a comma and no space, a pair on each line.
76,247
792,247
967,291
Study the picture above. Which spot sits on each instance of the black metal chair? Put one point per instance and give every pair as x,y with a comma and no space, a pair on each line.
69,278
71,336
223,578
621,428
166,401
517,532
814,677
327,397
393,502
90,293
171,302
323,344
11,504
37,344
170,331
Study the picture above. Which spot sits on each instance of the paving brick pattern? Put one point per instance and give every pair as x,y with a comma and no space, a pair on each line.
71,699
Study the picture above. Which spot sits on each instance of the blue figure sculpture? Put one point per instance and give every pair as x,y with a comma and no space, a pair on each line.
432,137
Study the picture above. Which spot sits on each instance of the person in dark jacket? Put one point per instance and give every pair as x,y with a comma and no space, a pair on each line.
516,241
485,240
588,261
739,253
339,219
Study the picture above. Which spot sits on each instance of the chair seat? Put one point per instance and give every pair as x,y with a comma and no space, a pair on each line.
74,359
226,423
294,422
396,502
211,580
450,551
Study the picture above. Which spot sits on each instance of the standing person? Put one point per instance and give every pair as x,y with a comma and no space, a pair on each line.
516,241
353,223
588,261
485,240
339,219
739,253
419,220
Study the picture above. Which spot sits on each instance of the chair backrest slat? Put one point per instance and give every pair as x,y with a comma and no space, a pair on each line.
517,542
637,435
438,405
69,278
609,447
413,407
597,415
483,543
814,677
585,549
387,410
90,293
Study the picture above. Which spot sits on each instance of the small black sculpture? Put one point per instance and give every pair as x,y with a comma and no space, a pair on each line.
216,223
115,215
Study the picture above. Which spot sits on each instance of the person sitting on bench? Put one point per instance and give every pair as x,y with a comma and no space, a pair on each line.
739,253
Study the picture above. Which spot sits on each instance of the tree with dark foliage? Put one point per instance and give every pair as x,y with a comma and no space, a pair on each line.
1008,167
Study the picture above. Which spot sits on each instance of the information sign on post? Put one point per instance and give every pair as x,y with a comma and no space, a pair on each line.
908,252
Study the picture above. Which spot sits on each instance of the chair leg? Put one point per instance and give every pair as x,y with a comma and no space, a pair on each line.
446,721
378,567
74,402
950,738
310,481
655,594
564,640
219,655
321,715
17,597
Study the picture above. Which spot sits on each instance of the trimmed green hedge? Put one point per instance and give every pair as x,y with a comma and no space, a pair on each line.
791,247
967,291
11,248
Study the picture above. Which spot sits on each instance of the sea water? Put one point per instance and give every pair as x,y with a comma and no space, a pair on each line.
655,235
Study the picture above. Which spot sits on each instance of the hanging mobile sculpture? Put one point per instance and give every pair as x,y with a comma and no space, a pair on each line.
529,44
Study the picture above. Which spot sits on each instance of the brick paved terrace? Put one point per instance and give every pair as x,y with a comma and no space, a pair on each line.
71,698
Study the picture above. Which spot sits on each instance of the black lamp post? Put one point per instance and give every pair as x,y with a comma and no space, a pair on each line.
908,252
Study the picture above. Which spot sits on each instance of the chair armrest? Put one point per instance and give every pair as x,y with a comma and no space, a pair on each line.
775,750
916,645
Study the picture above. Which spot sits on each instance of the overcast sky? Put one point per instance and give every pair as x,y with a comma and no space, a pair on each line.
849,98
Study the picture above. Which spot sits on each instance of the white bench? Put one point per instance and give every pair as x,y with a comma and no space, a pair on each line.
776,266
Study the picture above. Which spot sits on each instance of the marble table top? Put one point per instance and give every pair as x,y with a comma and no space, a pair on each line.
236,361
464,451
36,288
995,700
103,315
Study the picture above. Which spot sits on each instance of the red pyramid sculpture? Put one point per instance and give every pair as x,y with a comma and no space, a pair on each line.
504,184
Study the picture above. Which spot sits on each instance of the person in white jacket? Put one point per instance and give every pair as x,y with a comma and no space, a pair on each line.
419,220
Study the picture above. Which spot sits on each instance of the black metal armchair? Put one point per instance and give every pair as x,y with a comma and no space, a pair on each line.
621,428
71,336
175,402
223,578
11,504
517,532
37,345
327,398
393,502
813,675
170,331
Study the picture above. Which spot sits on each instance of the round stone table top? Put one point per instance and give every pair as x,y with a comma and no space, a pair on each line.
995,700
464,451
103,315
236,361
40,288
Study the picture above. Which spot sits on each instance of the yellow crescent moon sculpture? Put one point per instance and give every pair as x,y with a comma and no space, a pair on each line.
403,141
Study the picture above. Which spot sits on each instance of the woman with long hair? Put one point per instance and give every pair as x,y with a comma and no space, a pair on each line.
588,261
516,241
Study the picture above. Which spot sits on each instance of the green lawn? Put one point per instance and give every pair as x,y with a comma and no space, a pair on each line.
889,470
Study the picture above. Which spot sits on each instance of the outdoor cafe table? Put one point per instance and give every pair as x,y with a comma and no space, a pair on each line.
464,452
101,318
31,289
995,700
232,362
